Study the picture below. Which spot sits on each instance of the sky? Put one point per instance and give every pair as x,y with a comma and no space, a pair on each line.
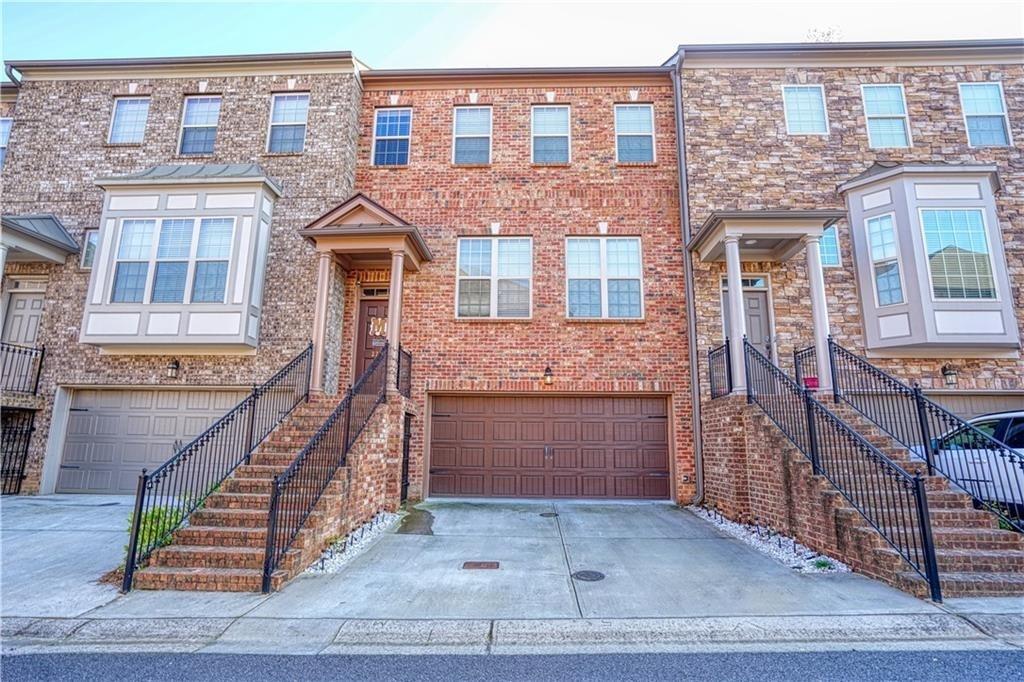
476,34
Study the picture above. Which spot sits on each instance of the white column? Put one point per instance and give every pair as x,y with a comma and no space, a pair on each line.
819,308
325,267
395,300
737,316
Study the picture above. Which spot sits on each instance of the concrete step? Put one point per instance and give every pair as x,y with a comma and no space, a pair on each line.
205,579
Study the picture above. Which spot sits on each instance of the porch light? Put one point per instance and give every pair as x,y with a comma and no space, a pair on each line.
172,368
949,375
549,376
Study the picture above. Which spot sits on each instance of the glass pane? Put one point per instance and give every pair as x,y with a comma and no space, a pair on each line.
475,257
5,131
473,150
287,138
830,247
129,124
883,100
129,282
474,298
982,98
967,438
623,257
888,132
513,298
1015,434
987,131
805,109
392,122
214,238
472,121
92,238
290,109
958,255
551,150
551,120
169,282
887,282
636,149
210,280
634,119
623,298
198,140
175,239
514,258
882,238
583,258
391,152
136,239
202,111
584,298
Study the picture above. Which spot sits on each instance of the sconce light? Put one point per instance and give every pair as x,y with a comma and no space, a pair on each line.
172,369
549,376
949,375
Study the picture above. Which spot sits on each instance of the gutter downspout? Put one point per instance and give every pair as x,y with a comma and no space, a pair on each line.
9,70
691,306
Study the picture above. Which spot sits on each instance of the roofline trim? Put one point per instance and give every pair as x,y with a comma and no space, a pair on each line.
828,216
990,170
175,61
113,181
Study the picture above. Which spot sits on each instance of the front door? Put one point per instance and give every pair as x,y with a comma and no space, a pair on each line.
22,323
755,308
373,332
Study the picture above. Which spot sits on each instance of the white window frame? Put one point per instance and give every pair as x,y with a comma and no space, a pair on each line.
839,248
7,144
493,278
373,143
603,266
216,126
271,124
824,107
867,118
489,136
898,258
113,115
568,133
1006,114
988,245
86,234
654,141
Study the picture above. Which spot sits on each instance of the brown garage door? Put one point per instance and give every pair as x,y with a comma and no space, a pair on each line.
527,446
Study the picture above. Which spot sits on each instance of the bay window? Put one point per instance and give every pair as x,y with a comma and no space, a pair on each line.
959,261
885,260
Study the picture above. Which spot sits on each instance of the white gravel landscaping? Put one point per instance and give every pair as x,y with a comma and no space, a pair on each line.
336,556
783,549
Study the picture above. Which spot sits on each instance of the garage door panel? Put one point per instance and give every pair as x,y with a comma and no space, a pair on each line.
655,459
593,486
532,486
503,458
472,430
563,432
138,425
504,486
624,432
445,429
627,486
565,458
654,431
531,431
531,458
141,400
566,486
471,457
505,431
593,458
592,432
107,425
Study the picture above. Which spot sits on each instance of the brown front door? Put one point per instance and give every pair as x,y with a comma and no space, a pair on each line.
373,332
547,446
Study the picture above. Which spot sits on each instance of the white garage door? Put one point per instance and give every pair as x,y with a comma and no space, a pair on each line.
967,405
113,434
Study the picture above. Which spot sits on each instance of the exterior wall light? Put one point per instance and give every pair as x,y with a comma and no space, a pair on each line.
549,376
949,375
172,369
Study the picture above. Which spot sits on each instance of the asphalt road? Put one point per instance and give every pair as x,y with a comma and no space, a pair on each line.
763,667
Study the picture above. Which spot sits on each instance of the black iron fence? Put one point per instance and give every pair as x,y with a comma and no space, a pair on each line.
171,492
17,429
720,370
403,379
805,367
20,367
892,501
297,490
975,461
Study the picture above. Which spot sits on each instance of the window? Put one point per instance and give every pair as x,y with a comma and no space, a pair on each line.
90,238
199,125
1015,434
985,114
805,109
128,122
886,111
550,133
5,137
213,253
830,248
132,265
603,277
958,255
391,131
634,133
472,139
288,115
968,439
494,277
885,260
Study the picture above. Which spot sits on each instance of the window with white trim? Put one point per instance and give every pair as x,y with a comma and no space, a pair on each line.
959,260
603,277
550,134
471,141
830,247
985,114
392,130
131,269
128,120
288,114
885,259
634,133
805,109
5,137
494,277
199,125
90,240
885,109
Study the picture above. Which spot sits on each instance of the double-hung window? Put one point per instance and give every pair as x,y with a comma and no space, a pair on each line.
131,267
885,109
199,125
959,260
5,137
172,253
128,122
471,142
550,133
985,114
494,277
634,133
603,277
885,260
288,114
830,247
391,132
805,109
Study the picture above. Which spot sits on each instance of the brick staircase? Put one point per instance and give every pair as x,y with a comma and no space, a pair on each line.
222,547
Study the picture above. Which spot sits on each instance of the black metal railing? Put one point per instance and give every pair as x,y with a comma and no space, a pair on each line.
805,367
297,490
20,367
18,426
974,461
720,370
403,378
171,492
890,499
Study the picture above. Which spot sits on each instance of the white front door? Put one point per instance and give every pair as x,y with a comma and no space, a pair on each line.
24,311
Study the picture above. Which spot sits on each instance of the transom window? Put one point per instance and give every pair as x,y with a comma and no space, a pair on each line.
494,277
471,143
885,259
634,133
830,247
886,111
805,109
90,239
603,277
550,133
5,137
288,114
128,122
985,114
959,260
391,132
199,125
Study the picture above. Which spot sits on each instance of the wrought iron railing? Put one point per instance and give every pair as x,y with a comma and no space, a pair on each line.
805,367
974,461
720,370
20,367
171,492
297,490
16,434
403,378
890,499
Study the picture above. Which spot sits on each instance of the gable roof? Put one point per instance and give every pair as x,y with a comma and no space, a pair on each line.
45,227
357,205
